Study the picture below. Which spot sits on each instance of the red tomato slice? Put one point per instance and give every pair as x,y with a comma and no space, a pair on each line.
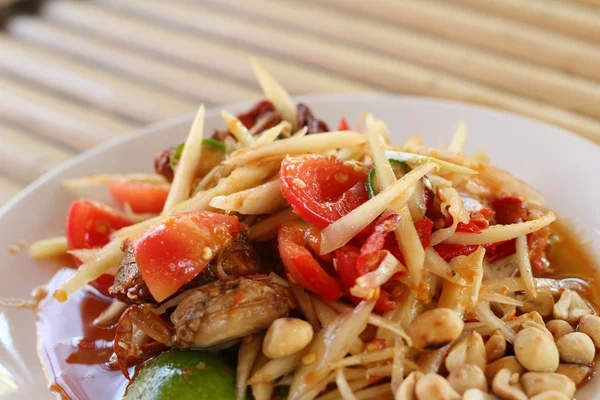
173,252
299,262
345,261
142,197
322,189
90,225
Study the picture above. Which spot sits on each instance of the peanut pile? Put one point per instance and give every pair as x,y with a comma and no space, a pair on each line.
551,355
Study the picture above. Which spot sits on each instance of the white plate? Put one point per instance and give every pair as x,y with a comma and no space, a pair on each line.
562,166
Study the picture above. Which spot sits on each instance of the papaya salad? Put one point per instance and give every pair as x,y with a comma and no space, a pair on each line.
278,258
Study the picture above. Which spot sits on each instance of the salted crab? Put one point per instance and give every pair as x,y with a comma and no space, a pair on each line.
212,315
238,259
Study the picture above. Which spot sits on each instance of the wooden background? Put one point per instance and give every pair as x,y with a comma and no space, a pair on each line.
78,73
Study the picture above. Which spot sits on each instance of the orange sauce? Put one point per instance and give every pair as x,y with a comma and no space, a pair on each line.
73,351
571,260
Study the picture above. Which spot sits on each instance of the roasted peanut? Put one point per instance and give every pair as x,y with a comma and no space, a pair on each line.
571,307
495,347
551,395
406,390
522,321
559,328
434,387
576,348
435,328
286,336
576,373
590,325
467,376
535,325
509,362
476,394
538,382
543,304
505,387
469,350
535,350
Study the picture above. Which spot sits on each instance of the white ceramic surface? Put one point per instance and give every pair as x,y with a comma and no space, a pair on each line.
561,165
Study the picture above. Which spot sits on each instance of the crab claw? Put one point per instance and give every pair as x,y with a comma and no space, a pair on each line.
140,334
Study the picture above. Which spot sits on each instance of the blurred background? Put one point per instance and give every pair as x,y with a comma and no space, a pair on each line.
74,74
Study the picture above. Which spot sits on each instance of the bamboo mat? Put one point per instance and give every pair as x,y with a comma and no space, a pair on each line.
79,73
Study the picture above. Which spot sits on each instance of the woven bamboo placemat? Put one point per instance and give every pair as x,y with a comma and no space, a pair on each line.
77,73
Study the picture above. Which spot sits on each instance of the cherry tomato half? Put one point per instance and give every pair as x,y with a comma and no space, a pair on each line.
321,189
90,225
299,263
176,250
141,196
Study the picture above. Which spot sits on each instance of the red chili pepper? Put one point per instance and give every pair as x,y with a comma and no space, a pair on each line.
376,344
449,251
343,125
424,227
487,213
352,262
498,250
371,250
345,261
374,379
384,304
259,109
509,210
537,242
494,251
479,221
